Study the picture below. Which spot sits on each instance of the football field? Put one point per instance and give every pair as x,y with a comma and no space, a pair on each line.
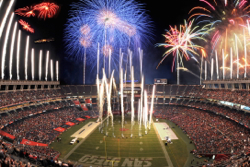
100,150
96,149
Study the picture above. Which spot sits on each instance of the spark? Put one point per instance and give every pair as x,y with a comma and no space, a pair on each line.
26,26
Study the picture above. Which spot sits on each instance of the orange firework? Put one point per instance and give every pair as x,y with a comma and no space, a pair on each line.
26,26
46,10
26,12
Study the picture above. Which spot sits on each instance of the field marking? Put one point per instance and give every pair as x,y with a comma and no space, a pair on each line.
119,157
163,148
85,130
72,150
164,130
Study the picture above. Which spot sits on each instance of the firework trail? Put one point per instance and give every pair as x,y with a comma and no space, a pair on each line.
57,71
26,26
145,112
5,44
32,64
26,57
5,17
228,20
221,16
212,68
152,106
141,102
18,54
12,50
40,64
46,10
1,1
122,105
51,70
47,66
25,12
132,100
179,43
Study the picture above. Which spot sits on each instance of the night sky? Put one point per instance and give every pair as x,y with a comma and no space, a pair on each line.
162,13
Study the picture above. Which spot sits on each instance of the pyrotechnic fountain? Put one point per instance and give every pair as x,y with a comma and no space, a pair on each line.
12,49
152,106
104,89
132,100
32,64
141,104
145,112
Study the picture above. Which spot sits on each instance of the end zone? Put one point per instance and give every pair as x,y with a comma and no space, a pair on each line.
164,130
85,130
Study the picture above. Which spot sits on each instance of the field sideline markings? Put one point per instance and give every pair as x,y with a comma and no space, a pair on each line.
119,157
163,148
115,152
71,151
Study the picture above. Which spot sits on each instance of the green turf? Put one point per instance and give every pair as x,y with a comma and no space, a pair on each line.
143,150
179,151
64,147
98,144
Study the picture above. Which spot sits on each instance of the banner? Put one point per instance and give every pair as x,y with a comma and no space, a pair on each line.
2,133
88,101
70,123
80,119
59,129
32,143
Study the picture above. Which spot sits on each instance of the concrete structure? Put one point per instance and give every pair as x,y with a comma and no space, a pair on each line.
241,84
14,85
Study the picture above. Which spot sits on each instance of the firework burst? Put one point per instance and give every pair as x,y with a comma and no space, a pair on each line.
179,42
229,24
225,18
117,24
26,11
46,10
26,26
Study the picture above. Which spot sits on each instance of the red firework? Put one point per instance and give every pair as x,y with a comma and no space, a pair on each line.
26,11
26,26
46,10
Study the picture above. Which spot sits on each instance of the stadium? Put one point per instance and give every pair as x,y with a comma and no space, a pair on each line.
120,119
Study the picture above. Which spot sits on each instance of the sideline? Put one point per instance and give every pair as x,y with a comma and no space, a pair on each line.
163,148
72,150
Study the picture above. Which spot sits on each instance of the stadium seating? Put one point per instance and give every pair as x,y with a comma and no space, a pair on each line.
211,133
214,129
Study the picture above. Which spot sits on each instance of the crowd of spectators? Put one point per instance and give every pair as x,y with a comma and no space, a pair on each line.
11,98
240,160
12,116
234,96
211,133
40,127
37,123
18,156
238,116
